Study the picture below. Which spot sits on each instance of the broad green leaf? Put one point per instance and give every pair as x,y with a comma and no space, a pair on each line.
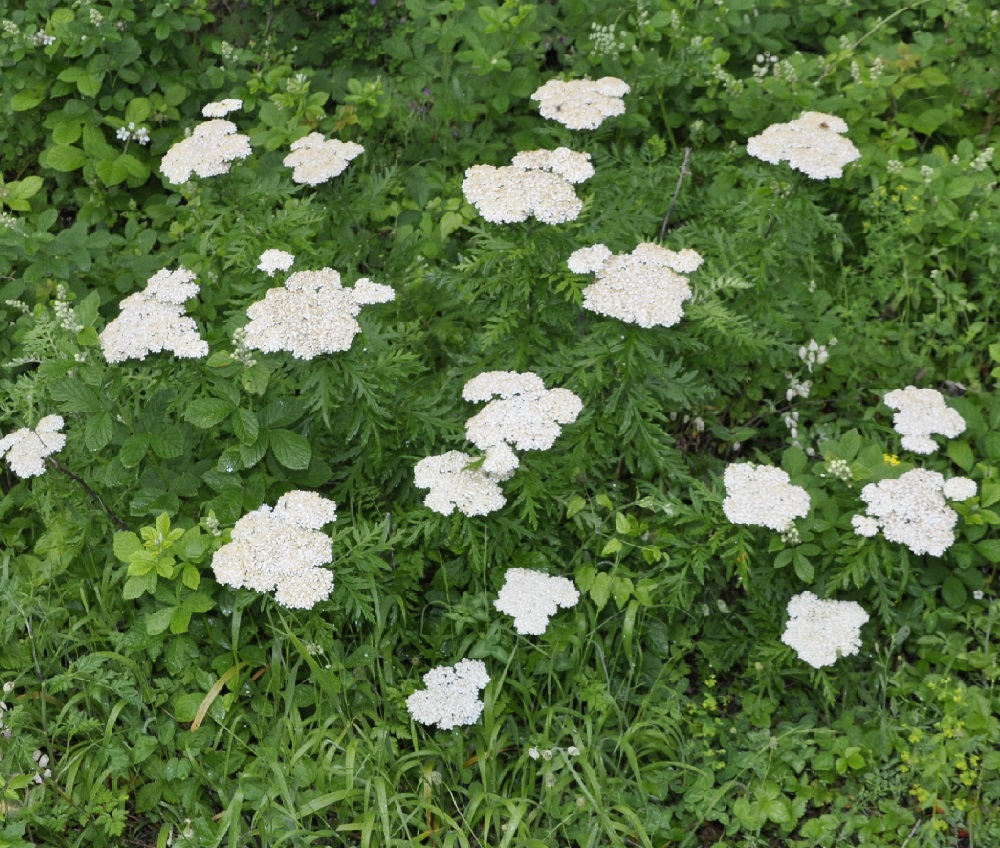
207,412
72,396
24,189
159,621
850,444
190,577
168,442
125,544
576,503
989,548
180,620
612,546
28,99
67,132
600,590
99,430
245,426
803,568
63,157
961,454
192,545
954,593
133,450
138,110
186,706
794,461
290,449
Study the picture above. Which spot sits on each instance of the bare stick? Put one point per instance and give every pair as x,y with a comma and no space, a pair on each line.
59,467
685,172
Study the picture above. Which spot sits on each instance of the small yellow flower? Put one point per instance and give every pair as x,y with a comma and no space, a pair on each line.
890,459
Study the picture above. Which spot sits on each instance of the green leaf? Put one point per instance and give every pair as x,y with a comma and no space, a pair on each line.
794,461
850,444
959,187
67,132
621,524
600,590
961,454
90,84
953,592
612,546
63,157
989,548
96,144
28,99
245,426
207,412
137,585
180,620
192,545
24,189
99,430
576,503
186,706
138,110
290,449
803,568
190,577
159,621
168,442
133,450
125,544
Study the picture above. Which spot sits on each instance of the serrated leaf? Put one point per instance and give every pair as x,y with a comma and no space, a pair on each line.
191,577
168,442
99,430
961,454
63,157
207,412
24,189
989,548
159,621
954,593
28,99
180,620
137,585
621,523
603,500
794,461
612,546
138,110
125,544
290,449
133,450
850,444
186,706
600,590
803,568
67,132
250,455
192,545
245,426
576,503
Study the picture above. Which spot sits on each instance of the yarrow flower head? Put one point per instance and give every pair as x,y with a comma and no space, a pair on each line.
315,159
813,144
275,260
221,108
645,287
538,183
455,484
281,549
152,320
210,150
452,695
921,413
581,104
912,510
822,631
521,414
25,449
311,314
533,597
763,496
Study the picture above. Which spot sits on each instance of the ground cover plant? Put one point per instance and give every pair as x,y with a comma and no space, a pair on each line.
517,424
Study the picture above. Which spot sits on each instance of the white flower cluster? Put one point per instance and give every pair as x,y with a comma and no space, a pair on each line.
822,631
281,549
26,449
581,104
645,287
275,260
814,353
922,412
455,483
911,510
533,597
813,144
763,496
315,159
130,132
210,150
537,183
452,695
43,39
521,414
152,320
311,314
221,108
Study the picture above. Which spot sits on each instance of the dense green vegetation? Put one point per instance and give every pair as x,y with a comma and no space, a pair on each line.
149,704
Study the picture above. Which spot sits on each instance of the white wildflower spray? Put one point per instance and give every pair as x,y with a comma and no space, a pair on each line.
911,510
822,631
281,549
920,414
210,150
813,144
763,496
582,104
645,287
456,483
315,159
521,413
311,314
272,261
152,320
538,183
452,695
25,449
533,597
221,108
